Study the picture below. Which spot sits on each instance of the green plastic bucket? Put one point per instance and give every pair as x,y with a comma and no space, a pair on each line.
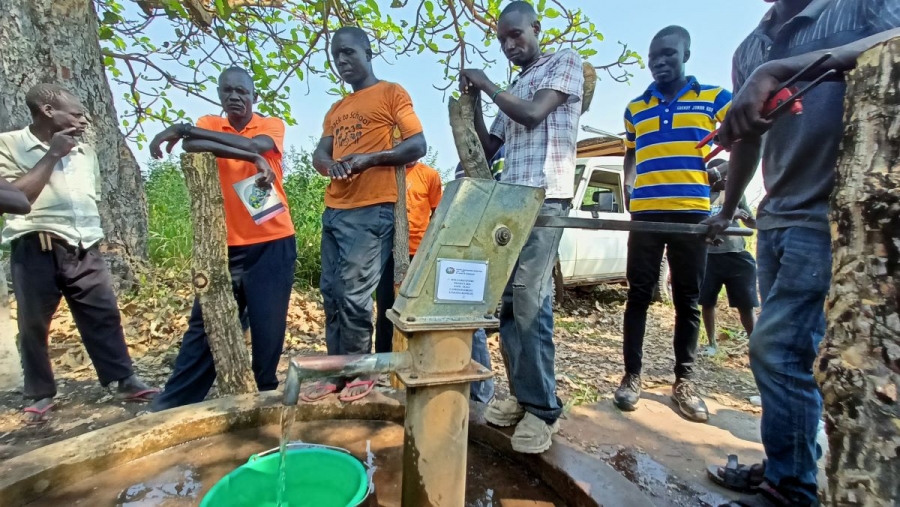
317,476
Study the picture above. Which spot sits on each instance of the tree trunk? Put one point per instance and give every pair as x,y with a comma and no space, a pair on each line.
210,276
56,41
859,361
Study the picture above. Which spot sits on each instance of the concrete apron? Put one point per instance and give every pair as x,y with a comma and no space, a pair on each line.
573,475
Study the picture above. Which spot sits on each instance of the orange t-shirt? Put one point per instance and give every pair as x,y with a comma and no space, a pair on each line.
242,230
423,193
364,122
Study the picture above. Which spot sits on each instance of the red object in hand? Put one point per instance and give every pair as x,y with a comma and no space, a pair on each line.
781,96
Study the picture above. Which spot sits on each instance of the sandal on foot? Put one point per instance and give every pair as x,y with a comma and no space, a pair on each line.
369,384
320,390
41,412
737,477
140,396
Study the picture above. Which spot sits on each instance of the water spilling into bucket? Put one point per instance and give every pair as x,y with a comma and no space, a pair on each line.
287,420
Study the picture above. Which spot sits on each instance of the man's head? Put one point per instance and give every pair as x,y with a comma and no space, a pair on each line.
236,93
517,30
54,108
351,50
669,51
718,186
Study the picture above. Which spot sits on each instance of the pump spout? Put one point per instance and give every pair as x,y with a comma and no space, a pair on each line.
302,368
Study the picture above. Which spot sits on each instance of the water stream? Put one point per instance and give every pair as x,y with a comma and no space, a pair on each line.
287,420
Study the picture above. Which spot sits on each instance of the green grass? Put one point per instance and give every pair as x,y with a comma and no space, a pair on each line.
171,232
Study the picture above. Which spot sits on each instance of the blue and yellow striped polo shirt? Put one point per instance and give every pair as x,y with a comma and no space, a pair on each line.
671,175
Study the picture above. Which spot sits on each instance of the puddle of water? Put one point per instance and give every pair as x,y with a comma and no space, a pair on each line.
654,478
182,475
173,485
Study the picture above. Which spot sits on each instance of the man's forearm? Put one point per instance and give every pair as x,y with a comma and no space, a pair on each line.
33,182
259,144
741,168
842,59
322,162
13,200
219,150
407,151
488,143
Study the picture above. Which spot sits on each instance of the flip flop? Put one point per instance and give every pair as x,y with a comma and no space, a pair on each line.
368,384
42,412
324,387
738,477
142,396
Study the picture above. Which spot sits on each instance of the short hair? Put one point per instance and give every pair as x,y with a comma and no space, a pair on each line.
678,31
358,35
716,162
522,7
42,94
234,69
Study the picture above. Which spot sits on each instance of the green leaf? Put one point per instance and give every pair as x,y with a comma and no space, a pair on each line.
429,7
551,13
223,9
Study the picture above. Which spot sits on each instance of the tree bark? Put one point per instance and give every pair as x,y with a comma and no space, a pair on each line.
210,277
859,362
468,146
55,41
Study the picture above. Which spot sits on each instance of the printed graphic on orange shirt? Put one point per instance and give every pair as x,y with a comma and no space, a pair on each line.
346,135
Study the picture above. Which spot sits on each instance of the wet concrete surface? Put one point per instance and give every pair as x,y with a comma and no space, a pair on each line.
180,476
662,453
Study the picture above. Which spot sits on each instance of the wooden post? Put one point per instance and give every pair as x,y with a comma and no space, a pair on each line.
400,250
210,277
859,361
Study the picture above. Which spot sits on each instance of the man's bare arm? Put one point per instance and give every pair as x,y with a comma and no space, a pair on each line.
530,113
323,156
220,150
490,144
258,144
741,168
13,200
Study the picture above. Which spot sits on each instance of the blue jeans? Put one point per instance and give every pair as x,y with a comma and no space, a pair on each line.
481,391
526,320
794,279
356,245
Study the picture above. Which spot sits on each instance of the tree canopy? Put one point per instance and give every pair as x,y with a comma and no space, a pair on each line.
285,43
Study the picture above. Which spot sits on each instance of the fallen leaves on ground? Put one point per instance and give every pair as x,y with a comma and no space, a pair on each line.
588,337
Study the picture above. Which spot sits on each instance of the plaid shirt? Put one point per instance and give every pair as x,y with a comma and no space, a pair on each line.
545,155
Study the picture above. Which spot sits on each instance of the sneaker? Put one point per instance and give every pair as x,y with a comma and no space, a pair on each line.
533,435
504,413
629,393
689,403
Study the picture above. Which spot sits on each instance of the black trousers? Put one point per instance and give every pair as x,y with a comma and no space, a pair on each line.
262,276
687,263
40,279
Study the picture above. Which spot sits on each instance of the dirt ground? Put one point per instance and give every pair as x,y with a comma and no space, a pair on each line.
588,357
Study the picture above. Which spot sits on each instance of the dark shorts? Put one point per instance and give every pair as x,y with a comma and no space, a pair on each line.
737,272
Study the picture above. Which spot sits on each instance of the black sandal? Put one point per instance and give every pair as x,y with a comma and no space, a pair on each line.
737,477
